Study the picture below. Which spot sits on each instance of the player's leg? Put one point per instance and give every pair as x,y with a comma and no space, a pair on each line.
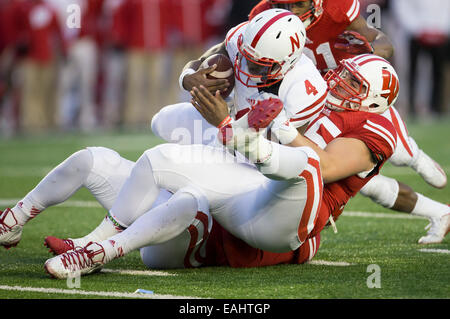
407,153
181,123
400,197
174,166
161,224
278,215
188,171
102,171
186,250
63,181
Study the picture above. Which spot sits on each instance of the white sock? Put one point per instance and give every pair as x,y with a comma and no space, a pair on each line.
110,227
103,231
158,225
427,207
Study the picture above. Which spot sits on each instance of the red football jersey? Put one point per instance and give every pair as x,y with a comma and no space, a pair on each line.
374,130
224,249
321,37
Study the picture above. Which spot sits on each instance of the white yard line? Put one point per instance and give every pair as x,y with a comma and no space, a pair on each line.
137,272
439,251
381,215
329,263
92,293
8,202
70,203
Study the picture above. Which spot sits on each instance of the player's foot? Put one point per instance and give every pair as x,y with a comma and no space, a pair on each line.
429,170
438,228
77,262
245,134
58,246
10,229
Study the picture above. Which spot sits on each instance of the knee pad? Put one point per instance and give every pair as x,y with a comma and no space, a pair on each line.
201,203
80,163
154,125
382,190
104,158
107,175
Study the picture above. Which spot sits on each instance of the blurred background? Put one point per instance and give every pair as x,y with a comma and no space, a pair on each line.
89,65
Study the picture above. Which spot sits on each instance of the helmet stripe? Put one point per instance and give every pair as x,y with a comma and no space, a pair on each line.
359,57
372,59
266,26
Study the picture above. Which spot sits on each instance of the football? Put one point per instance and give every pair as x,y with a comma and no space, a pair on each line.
224,70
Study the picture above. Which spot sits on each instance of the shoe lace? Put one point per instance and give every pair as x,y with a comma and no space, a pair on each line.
3,227
69,242
79,258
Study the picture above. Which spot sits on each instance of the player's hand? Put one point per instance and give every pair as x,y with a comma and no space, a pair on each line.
281,128
200,78
213,108
354,43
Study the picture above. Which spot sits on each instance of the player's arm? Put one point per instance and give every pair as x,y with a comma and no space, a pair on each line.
379,41
360,38
341,158
192,76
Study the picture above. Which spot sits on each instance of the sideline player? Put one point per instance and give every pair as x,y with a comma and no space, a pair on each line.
335,31
277,211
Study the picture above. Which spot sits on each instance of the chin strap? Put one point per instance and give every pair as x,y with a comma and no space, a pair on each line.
333,224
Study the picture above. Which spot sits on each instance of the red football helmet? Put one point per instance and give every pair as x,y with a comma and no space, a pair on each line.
366,82
310,18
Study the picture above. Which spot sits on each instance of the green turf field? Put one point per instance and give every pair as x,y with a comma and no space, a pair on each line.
343,266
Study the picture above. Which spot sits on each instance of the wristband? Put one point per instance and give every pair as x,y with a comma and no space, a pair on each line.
225,122
183,74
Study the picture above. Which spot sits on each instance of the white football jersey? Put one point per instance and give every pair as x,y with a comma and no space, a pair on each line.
303,90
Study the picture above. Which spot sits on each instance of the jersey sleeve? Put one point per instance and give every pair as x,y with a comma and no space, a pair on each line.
378,134
303,93
345,10
263,5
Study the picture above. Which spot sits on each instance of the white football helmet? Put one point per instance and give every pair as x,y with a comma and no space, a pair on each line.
366,82
309,18
269,47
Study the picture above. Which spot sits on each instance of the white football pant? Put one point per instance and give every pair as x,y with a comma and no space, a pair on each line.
273,215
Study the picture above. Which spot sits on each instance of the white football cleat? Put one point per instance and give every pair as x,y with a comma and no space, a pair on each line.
77,262
438,228
10,229
429,170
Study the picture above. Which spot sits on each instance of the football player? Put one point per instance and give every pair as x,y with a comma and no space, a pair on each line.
335,30
272,23
267,57
276,211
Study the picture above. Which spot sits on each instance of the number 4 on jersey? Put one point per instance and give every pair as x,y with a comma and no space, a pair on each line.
310,88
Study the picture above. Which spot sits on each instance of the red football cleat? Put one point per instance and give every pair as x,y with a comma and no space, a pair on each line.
264,112
259,116
58,246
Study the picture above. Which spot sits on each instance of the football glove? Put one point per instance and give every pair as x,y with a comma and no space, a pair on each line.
354,43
